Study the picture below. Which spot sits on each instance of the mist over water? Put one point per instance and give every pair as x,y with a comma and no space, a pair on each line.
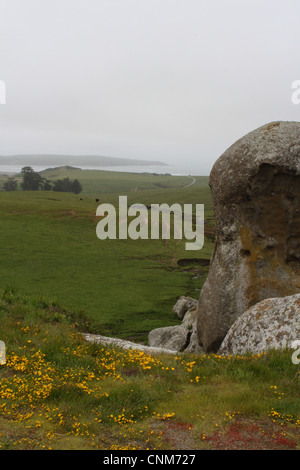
175,170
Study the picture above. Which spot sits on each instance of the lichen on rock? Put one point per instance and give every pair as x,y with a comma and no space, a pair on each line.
270,324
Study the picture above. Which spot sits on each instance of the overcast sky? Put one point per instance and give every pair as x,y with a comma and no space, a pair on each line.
171,80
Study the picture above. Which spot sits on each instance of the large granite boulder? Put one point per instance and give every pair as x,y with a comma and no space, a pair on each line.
270,324
255,188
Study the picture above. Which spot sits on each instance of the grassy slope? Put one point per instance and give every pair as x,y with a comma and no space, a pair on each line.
99,182
59,392
49,247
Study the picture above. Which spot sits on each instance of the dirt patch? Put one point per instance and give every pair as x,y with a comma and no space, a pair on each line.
177,435
242,434
189,261
247,434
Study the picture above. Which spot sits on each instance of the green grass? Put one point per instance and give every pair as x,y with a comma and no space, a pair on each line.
103,182
59,392
126,287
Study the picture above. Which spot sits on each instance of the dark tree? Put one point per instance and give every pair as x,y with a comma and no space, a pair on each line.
66,185
10,185
76,187
32,180
46,185
61,185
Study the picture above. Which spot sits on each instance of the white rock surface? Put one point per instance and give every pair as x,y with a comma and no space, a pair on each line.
120,343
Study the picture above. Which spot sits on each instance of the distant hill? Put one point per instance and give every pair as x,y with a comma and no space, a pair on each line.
73,160
58,169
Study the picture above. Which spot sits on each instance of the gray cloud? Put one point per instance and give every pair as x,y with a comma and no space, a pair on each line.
171,80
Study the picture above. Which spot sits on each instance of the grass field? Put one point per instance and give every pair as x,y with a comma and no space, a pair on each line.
96,182
102,182
127,287
58,279
59,392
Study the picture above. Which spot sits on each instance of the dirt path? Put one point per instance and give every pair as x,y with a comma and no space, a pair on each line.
190,184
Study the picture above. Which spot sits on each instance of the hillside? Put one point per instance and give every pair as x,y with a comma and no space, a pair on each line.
72,160
103,181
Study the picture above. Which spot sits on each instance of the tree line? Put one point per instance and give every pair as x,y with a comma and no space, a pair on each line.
33,181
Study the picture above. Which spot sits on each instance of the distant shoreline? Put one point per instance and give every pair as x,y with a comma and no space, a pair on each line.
174,170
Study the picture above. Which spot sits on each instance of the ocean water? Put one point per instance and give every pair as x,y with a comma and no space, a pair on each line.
175,170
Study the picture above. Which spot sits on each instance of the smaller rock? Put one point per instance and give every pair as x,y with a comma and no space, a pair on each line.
170,337
181,338
183,304
190,317
270,324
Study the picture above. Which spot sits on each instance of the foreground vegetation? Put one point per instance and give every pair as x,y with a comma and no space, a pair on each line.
59,392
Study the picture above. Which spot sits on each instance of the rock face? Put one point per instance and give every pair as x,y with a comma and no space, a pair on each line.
271,323
255,188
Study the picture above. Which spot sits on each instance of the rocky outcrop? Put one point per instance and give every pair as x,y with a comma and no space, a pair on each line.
183,337
255,188
166,340
170,337
270,324
183,304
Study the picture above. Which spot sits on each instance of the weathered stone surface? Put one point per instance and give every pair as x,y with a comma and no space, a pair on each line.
193,346
270,324
182,338
183,304
170,337
190,321
255,188
190,316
